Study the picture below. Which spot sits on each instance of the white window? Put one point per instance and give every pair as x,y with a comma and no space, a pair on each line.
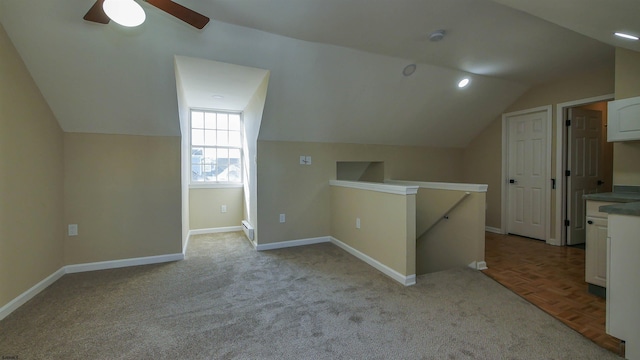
216,147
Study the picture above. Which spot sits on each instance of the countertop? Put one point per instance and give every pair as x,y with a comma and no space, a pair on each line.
628,208
623,197
627,196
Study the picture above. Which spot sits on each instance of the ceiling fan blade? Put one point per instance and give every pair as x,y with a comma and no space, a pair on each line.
96,13
187,15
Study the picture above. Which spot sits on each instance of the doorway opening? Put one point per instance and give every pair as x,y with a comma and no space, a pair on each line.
583,163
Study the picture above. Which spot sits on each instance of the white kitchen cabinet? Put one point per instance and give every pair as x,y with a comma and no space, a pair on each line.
624,120
595,270
623,282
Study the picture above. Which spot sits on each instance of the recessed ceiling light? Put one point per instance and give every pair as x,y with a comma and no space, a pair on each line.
124,12
626,36
464,82
409,69
436,35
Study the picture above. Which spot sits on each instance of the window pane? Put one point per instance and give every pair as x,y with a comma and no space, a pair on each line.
223,164
223,138
197,137
210,137
197,119
235,170
223,121
234,139
210,120
209,169
208,162
234,122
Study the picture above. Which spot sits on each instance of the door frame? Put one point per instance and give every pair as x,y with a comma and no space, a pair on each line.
505,166
560,231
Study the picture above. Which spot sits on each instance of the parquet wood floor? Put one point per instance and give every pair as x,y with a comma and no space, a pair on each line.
552,278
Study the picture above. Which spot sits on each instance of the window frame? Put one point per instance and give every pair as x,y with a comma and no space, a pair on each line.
215,184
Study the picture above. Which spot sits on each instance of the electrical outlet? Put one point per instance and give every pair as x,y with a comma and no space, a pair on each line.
73,230
282,218
305,160
223,208
357,223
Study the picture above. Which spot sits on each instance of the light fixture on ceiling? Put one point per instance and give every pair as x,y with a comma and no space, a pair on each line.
124,12
464,82
436,35
626,36
409,70
217,97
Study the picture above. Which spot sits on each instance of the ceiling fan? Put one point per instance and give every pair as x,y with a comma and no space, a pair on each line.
195,19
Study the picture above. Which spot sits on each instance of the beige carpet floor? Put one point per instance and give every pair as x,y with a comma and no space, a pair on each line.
227,301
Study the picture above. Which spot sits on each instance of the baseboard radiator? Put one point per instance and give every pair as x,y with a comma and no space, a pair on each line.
248,229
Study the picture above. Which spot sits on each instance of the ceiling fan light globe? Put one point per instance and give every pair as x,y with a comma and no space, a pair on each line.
124,12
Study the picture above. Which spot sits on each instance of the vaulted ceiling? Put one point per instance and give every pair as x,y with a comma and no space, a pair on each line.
336,66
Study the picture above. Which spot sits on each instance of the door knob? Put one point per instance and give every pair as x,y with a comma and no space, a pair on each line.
600,182
589,222
512,181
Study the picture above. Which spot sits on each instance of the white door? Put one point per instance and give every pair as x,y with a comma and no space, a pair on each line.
584,161
527,175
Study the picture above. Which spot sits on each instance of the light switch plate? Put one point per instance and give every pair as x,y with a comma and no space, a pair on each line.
73,230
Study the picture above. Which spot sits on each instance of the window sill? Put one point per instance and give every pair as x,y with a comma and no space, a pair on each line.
216,186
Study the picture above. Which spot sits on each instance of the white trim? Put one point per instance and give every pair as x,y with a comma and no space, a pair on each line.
404,280
12,305
208,231
292,243
441,185
561,161
478,265
215,230
554,242
186,244
493,229
549,110
215,185
379,187
114,264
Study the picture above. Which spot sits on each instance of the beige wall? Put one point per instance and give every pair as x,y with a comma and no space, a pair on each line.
483,165
302,192
387,225
124,193
205,207
484,153
31,180
453,242
626,155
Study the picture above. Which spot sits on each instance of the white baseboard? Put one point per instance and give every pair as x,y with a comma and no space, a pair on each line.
404,280
493,229
208,231
27,295
114,264
292,243
215,230
70,269
478,265
554,242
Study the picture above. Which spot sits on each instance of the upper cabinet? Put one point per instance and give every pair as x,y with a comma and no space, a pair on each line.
624,120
